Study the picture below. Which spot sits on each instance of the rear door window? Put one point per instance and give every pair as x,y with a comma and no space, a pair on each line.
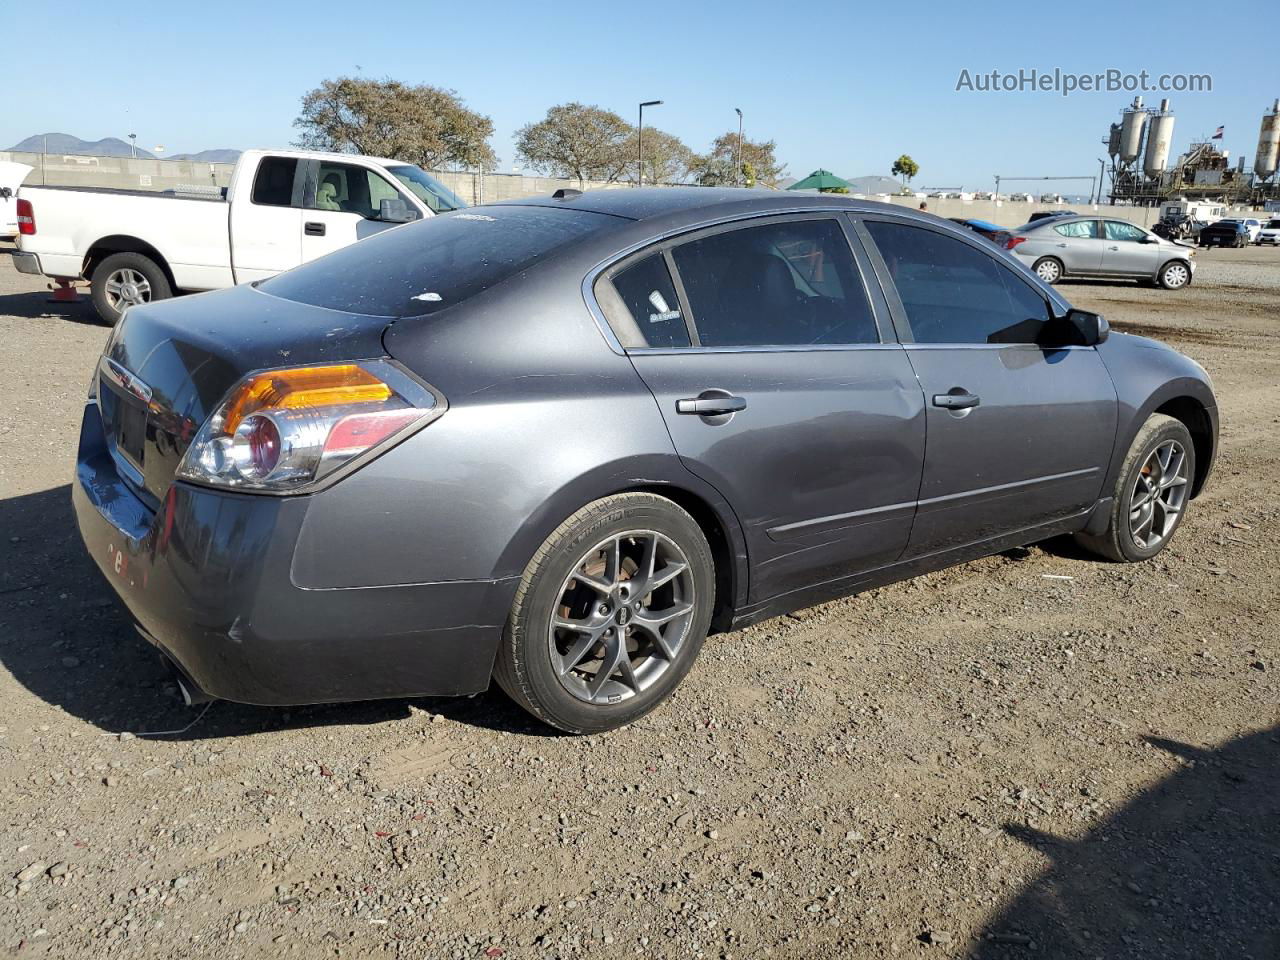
273,184
1079,229
428,266
953,293
649,296
787,283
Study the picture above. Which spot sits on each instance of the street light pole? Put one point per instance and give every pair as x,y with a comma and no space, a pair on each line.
133,143
640,141
737,173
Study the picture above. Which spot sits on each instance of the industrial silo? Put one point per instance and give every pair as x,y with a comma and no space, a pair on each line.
1159,136
1264,161
1131,124
1113,141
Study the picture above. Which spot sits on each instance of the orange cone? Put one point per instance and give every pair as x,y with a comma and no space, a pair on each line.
64,292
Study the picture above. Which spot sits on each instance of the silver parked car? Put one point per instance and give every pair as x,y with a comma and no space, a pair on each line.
1084,246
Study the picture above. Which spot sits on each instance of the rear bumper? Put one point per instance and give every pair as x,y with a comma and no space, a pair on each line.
207,579
26,262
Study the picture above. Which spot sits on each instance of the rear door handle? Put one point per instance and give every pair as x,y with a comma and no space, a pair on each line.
711,406
313,229
956,401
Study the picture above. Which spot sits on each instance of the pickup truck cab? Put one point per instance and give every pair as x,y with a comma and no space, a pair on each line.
282,208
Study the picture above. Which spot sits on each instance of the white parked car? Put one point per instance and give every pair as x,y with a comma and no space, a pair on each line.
1270,232
282,209
11,176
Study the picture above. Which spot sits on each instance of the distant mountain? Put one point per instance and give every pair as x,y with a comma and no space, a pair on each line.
209,156
65,143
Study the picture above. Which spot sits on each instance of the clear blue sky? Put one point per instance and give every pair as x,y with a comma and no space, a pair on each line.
836,87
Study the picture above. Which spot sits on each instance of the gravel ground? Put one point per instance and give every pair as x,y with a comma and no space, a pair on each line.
1035,754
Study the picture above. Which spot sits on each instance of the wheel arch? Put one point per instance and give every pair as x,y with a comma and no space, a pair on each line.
1195,417
104,247
660,477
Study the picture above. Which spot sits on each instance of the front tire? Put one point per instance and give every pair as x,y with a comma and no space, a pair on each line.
609,615
1151,493
1174,275
1048,269
123,280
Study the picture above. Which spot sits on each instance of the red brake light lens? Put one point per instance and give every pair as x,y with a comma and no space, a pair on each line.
1013,242
26,219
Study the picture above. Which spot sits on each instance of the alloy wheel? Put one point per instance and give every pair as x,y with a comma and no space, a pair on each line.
1158,495
622,617
127,287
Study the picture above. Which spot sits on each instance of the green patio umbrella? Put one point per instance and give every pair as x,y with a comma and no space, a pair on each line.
820,180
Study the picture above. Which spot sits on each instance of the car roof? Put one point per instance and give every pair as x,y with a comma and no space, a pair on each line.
706,203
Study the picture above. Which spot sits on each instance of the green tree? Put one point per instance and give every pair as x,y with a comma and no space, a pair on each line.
666,158
719,166
578,141
906,168
420,124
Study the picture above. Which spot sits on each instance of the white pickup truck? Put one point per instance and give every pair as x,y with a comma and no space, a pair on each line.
282,208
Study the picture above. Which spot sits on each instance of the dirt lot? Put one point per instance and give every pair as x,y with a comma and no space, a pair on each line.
1031,755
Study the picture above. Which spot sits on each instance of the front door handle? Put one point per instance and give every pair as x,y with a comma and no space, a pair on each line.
1113,248
961,400
713,406
313,229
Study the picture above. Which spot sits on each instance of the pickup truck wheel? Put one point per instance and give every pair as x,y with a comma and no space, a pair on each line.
1151,493
125,279
610,614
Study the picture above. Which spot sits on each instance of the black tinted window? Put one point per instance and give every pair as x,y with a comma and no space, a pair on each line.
649,295
955,294
273,185
789,283
428,266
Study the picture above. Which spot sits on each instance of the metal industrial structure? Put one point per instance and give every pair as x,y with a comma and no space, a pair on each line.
1139,147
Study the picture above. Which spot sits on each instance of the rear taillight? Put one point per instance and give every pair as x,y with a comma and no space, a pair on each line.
1013,242
26,218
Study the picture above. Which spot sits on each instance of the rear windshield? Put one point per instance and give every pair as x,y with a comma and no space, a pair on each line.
428,266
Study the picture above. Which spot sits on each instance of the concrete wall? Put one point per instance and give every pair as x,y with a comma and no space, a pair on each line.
141,174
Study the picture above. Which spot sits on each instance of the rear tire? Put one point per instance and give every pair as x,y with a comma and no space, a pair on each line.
582,608
1048,269
1151,493
126,279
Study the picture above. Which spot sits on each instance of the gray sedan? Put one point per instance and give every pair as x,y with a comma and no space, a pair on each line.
557,442
1085,246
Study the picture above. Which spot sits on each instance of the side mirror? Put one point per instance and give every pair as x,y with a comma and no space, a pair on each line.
395,210
1147,238
1092,328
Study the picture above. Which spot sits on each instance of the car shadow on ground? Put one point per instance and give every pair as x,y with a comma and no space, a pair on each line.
64,637
36,305
1188,869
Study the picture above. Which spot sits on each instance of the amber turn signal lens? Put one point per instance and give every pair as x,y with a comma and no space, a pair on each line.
303,387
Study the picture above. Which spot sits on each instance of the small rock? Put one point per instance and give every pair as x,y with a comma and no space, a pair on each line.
939,938
713,834
1258,665
126,735
31,872
71,662
59,869
241,927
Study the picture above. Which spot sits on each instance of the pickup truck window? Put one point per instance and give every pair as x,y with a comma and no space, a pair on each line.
273,184
435,263
438,197
351,189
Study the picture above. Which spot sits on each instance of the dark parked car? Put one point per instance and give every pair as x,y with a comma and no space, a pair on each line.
556,442
1225,233
1050,214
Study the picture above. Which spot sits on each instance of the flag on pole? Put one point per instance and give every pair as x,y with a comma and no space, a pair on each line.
1218,133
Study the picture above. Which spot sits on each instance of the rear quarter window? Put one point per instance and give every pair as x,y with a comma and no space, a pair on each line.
428,266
